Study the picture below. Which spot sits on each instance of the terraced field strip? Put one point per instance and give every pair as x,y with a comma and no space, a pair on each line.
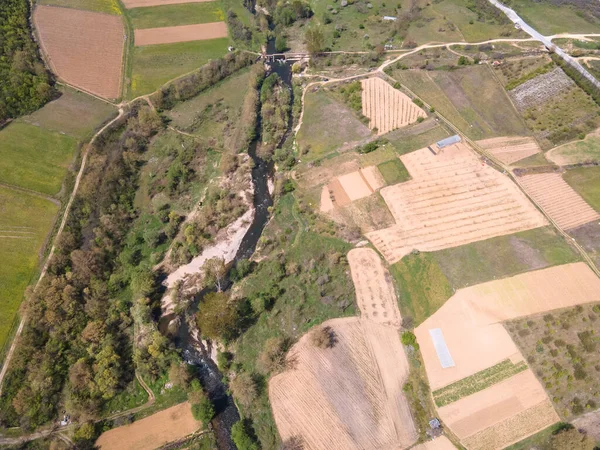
140,3
477,382
349,187
452,199
183,33
386,107
510,149
85,49
558,199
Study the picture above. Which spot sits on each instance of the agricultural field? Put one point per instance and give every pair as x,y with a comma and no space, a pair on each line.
584,180
24,164
173,15
552,17
387,108
515,71
25,220
464,96
154,65
393,172
440,209
94,59
328,126
558,199
180,33
151,432
102,6
561,348
73,113
144,3
540,89
587,236
510,149
350,187
586,150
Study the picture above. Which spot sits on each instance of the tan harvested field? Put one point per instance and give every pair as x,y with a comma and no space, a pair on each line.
350,187
83,48
439,443
510,149
513,429
474,316
152,432
140,3
182,33
349,396
374,289
387,108
558,199
453,199
484,409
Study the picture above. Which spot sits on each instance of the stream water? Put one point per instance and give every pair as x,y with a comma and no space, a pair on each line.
194,351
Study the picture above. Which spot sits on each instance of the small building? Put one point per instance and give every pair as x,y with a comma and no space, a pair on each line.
390,18
448,141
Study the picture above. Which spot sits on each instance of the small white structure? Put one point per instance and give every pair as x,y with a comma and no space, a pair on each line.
390,18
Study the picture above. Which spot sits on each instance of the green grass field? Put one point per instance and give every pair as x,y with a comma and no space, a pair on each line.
548,18
406,143
393,171
74,113
423,288
327,124
154,65
587,150
464,97
103,6
503,256
34,158
25,220
586,181
174,15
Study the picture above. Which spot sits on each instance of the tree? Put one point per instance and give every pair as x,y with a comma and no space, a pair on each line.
572,439
272,357
80,375
323,337
244,388
217,317
179,375
242,436
204,410
315,40
280,44
215,271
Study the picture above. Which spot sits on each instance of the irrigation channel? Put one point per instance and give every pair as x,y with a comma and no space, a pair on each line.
187,340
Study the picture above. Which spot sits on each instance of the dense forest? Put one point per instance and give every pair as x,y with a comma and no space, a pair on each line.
26,85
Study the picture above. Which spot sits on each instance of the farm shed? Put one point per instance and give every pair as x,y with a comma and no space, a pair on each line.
448,141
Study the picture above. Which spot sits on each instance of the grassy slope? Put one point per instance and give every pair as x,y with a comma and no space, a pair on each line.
34,158
409,143
19,257
422,286
580,151
104,6
586,181
547,18
74,113
173,15
327,125
154,65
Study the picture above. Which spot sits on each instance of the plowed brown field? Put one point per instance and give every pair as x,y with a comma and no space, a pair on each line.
151,432
558,199
374,290
510,149
453,199
83,48
349,396
349,187
182,33
139,3
386,107
439,443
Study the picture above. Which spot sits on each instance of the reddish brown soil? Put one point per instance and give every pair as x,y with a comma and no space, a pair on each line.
139,3
183,33
83,48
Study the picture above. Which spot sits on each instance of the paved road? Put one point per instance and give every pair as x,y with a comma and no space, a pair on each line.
547,41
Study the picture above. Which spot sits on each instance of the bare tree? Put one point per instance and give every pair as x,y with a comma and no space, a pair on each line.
214,272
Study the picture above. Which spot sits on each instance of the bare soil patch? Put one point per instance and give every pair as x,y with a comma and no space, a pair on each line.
386,107
152,432
349,187
439,443
453,199
374,289
83,48
510,149
590,423
349,396
140,3
558,199
182,33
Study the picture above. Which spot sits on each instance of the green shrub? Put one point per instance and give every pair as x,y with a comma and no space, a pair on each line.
408,338
243,436
418,102
204,411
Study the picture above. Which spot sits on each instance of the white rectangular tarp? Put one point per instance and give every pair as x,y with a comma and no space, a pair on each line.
441,348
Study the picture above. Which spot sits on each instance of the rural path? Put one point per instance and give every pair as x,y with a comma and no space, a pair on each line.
13,345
